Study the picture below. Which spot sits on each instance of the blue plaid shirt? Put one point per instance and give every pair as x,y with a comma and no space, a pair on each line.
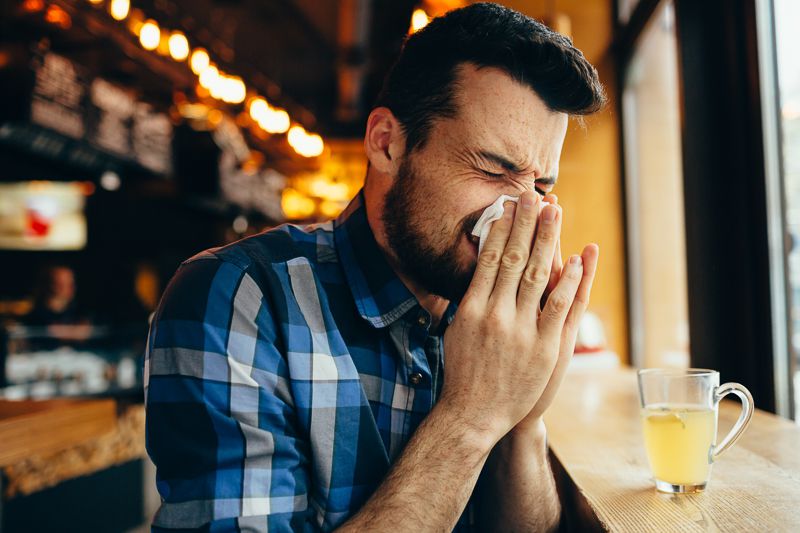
284,374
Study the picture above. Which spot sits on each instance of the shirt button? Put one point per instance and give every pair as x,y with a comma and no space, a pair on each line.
415,378
422,320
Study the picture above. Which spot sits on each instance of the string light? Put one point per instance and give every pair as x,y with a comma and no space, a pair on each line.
58,17
296,136
278,121
33,6
150,35
234,90
271,120
135,21
258,109
208,77
119,9
305,144
219,85
314,145
178,46
419,19
199,61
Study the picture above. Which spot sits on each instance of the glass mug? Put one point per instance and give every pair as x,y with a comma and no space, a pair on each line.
679,418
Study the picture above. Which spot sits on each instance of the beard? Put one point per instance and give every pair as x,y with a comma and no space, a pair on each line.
415,237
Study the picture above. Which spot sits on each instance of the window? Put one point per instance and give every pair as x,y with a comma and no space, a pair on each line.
625,9
783,121
655,207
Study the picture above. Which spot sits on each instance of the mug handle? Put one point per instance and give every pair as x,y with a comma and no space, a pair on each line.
744,418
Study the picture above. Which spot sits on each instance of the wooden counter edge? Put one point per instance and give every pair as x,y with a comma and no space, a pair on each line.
28,428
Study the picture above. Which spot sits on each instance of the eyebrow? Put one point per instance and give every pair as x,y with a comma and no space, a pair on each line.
509,165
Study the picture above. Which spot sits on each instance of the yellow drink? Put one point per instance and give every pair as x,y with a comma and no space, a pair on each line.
678,439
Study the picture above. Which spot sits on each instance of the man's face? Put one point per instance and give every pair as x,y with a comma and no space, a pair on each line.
503,140
62,283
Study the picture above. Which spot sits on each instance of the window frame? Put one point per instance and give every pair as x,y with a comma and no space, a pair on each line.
733,191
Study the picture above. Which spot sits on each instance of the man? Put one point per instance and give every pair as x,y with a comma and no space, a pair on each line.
363,374
55,310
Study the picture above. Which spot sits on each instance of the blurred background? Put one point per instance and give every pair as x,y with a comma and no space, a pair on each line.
136,133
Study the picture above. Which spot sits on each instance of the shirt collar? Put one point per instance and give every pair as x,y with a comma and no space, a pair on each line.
380,296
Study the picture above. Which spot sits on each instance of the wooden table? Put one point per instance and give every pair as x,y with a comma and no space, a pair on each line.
595,438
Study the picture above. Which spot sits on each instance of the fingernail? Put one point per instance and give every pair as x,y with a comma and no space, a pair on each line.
576,260
527,201
509,209
548,213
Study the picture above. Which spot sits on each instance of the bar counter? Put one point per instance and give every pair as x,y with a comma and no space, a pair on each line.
598,457
71,464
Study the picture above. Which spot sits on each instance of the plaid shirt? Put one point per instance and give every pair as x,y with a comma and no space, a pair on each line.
284,374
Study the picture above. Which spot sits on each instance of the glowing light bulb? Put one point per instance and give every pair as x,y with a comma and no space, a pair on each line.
314,145
419,19
33,6
150,35
58,17
238,90
199,61
258,109
134,21
218,86
296,136
305,144
279,121
208,77
178,46
119,9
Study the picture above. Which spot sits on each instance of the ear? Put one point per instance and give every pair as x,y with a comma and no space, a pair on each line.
384,142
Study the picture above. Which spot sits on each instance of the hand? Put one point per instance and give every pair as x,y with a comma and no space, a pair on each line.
570,332
500,350
558,262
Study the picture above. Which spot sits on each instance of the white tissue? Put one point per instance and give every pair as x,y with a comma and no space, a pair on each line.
490,215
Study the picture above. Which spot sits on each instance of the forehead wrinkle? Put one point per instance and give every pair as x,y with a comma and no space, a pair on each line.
467,155
519,170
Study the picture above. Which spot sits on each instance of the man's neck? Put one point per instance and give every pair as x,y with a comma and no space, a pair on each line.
432,303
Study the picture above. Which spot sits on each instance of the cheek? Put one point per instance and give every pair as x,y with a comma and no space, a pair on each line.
486,194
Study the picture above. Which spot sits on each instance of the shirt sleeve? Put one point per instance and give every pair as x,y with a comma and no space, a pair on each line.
221,424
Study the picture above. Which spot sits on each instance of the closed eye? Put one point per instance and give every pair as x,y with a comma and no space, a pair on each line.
497,176
492,174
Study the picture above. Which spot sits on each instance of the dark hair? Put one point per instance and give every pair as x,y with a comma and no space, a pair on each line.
420,86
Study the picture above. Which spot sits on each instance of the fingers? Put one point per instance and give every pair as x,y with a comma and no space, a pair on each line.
483,281
518,248
558,262
539,265
554,314
590,255
555,273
